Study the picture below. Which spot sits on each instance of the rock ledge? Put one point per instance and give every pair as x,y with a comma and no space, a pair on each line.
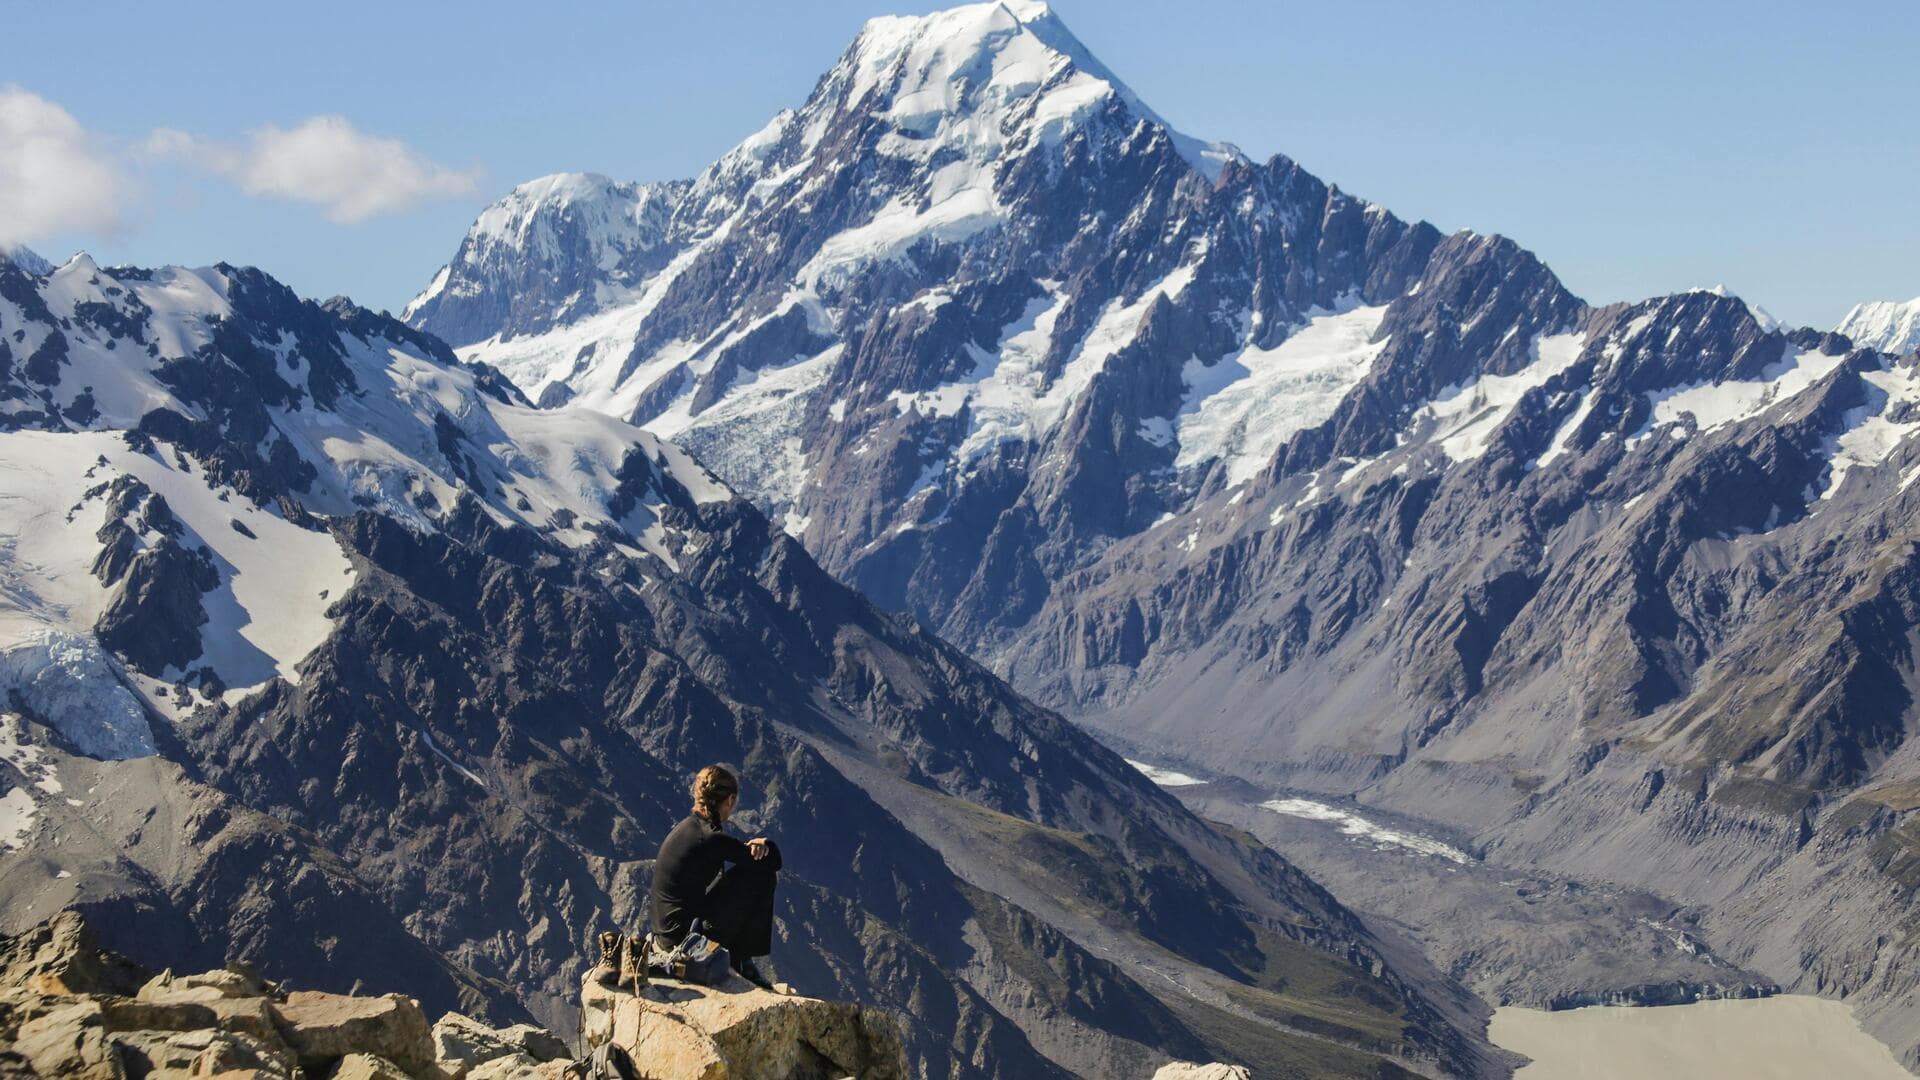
674,1031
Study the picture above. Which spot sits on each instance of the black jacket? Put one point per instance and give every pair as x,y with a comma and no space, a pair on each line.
690,858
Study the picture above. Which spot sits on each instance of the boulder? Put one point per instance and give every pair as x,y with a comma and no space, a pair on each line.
232,982
69,1041
133,1014
461,1044
203,1052
251,1016
60,956
676,1031
322,1028
539,1043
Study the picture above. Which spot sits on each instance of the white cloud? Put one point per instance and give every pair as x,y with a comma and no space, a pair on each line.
54,175
324,160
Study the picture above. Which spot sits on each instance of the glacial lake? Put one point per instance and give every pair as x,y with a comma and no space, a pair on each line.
1790,1037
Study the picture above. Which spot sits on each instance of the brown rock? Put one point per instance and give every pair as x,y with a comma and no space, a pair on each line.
60,956
235,1053
251,1016
368,1067
462,1044
69,1041
514,1066
179,1005
676,1031
206,986
199,1053
538,1042
133,1014
322,1028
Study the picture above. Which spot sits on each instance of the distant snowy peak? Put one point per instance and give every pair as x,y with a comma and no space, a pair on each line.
210,418
1760,315
334,406
560,247
1886,325
613,218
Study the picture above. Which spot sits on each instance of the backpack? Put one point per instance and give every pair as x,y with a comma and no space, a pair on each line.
609,1062
697,960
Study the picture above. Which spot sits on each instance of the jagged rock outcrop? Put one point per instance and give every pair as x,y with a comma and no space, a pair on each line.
737,1031
71,1009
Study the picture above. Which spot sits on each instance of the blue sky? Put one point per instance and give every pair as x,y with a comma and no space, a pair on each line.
1637,147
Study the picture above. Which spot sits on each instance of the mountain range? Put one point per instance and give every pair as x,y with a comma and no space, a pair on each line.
1252,476
960,414
327,651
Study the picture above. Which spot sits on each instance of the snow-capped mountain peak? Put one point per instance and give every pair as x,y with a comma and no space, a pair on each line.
1887,325
519,261
993,57
245,411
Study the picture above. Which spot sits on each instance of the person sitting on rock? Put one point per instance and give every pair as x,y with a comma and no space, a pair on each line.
734,905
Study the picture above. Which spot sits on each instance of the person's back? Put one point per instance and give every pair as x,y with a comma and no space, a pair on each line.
703,873
693,855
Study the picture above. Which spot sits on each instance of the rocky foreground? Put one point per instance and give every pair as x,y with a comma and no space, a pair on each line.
69,1008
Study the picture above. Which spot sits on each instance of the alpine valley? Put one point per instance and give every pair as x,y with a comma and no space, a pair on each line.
1263,483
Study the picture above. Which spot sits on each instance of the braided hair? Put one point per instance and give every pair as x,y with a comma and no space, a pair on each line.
712,787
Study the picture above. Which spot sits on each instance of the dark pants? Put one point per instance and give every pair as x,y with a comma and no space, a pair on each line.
738,912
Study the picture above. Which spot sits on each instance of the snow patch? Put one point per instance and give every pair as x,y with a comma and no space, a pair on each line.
1469,416
1868,437
1716,405
1366,831
1241,408
1164,777
17,812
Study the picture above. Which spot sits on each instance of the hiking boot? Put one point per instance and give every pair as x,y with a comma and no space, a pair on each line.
746,970
633,963
607,971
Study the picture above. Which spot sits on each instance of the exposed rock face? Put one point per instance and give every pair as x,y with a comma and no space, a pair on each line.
740,1032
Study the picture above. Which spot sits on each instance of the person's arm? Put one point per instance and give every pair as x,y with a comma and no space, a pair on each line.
735,850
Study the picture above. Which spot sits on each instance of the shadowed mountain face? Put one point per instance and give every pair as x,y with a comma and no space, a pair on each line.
1250,473
328,651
